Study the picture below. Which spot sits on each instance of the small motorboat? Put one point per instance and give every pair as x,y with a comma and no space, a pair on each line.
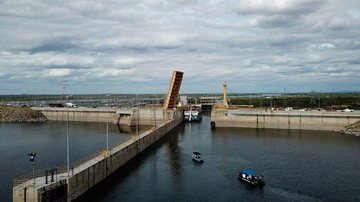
196,156
252,178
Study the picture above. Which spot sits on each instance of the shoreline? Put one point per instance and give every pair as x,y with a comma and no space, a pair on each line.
352,129
20,115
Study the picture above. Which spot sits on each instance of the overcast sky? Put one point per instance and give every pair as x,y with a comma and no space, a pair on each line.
131,46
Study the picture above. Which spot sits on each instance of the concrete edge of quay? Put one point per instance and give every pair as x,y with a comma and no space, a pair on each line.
80,179
326,121
122,116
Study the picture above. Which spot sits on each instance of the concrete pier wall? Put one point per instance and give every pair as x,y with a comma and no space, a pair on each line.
78,114
86,175
89,177
132,116
330,121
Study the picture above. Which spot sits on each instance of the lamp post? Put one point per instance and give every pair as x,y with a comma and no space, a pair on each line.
107,125
67,142
138,115
155,110
32,156
107,136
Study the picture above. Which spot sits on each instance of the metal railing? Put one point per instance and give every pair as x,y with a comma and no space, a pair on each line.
38,173
60,170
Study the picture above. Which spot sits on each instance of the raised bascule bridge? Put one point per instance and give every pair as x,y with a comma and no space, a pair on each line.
69,182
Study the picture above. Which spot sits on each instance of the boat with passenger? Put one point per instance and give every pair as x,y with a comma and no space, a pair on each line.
196,156
252,178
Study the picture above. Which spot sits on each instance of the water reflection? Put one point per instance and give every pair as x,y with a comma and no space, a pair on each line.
173,153
124,128
135,131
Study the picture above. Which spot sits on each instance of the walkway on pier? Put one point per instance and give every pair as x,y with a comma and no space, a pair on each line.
84,175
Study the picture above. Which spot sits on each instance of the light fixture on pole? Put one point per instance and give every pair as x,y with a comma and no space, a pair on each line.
138,115
156,103
107,125
67,142
32,156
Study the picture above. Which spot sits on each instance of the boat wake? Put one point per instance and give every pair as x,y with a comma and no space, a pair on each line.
292,196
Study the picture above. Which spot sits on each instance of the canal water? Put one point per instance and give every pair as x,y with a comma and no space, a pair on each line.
48,140
298,165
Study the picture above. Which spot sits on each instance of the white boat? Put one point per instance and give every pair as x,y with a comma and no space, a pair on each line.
193,113
252,178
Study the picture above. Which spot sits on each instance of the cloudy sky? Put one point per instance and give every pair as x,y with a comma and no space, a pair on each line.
132,46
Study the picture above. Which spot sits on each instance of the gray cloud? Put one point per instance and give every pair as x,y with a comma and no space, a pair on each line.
279,7
133,46
355,62
56,45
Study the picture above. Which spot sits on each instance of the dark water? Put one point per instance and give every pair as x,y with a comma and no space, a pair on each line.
298,165
48,140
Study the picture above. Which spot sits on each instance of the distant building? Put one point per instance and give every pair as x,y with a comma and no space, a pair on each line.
210,100
184,99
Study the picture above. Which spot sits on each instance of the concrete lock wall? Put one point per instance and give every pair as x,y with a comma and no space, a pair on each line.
128,116
28,193
86,175
89,177
78,114
293,120
151,116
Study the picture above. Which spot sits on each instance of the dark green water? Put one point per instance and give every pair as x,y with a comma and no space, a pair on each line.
298,165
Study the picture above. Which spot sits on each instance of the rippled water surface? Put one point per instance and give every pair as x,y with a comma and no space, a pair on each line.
298,165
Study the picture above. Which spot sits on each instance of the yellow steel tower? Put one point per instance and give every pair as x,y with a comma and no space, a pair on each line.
226,105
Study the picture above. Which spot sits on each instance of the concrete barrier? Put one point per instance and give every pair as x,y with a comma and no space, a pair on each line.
329,121
91,175
126,116
78,114
81,178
